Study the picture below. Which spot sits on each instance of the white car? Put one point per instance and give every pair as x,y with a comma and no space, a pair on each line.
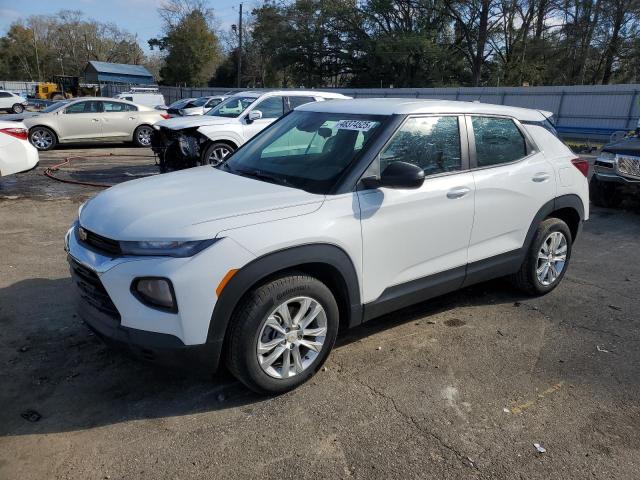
141,96
90,119
16,153
185,142
12,102
195,106
338,213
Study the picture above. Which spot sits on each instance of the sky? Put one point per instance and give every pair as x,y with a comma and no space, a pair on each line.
136,16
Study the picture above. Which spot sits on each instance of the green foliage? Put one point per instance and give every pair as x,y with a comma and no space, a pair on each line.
192,49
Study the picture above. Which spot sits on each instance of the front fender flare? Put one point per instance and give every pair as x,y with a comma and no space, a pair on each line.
261,268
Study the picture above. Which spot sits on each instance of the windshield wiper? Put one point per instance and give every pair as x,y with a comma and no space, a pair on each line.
261,176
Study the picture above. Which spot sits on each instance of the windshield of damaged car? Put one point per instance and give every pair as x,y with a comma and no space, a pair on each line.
306,150
55,106
231,107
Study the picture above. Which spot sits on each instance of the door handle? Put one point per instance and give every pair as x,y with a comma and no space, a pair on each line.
95,119
132,118
541,177
457,192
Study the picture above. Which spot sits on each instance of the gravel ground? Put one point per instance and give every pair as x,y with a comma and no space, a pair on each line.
459,387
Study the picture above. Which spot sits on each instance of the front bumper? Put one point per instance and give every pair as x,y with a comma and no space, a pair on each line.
108,307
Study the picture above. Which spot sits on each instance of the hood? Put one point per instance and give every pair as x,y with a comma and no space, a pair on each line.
629,146
180,123
193,204
18,117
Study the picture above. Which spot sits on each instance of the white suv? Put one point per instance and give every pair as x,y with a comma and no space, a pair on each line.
207,139
339,212
12,102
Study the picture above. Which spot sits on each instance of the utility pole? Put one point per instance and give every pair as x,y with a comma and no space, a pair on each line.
240,48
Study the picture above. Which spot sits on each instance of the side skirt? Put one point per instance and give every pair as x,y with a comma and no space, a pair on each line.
416,291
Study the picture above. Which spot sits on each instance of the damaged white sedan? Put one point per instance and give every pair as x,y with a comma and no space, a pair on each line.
186,142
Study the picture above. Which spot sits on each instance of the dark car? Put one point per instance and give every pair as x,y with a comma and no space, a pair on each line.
616,171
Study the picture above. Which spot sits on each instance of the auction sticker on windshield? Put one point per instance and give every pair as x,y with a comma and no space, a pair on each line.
359,125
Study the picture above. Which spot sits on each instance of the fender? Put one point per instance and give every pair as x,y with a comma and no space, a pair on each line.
262,267
214,134
510,262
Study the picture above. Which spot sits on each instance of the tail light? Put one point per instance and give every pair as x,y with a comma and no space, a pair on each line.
165,116
21,133
582,165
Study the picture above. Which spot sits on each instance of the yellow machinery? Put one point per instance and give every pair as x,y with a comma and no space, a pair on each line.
62,87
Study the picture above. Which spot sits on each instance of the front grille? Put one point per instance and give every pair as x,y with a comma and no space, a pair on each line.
91,289
102,244
629,166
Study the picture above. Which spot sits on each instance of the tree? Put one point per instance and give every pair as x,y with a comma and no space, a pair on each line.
192,48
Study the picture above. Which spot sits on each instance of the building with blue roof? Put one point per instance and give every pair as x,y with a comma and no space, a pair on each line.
105,72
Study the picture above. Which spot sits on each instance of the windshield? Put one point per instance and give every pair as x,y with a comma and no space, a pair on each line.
231,107
55,106
180,103
306,150
198,102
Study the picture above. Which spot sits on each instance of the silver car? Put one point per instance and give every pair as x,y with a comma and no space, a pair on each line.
90,119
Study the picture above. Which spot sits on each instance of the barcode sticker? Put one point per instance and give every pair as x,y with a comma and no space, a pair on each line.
359,125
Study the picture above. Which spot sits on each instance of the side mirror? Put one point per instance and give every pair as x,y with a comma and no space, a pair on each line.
254,115
402,175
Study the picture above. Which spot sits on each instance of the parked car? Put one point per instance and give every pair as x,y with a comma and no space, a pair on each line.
90,119
208,139
148,98
195,106
12,102
338,213
16,153
616,171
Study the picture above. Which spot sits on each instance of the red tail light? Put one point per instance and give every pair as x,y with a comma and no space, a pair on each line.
582,165
165,116
21,133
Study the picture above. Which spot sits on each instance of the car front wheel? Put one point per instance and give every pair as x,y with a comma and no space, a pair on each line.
17,108
42,138
215,153
281,333
547,259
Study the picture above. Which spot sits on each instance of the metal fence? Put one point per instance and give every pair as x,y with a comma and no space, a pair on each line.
591,112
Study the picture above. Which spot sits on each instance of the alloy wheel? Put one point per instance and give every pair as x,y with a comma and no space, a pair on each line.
144,136
291,337
42,139
217,155
552,258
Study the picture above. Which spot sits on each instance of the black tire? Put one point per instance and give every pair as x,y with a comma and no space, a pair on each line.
526,279
142,136
251,314
604,194
17,108
213,147
37,135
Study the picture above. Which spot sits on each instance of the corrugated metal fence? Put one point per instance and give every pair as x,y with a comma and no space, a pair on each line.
587,112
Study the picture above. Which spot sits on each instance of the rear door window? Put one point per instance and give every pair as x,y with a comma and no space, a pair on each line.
297,101
498,141
272,107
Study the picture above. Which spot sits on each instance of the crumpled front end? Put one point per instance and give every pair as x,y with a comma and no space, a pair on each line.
177,149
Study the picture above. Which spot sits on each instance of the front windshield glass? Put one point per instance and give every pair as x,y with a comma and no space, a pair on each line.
306,150
231,107
55,106
198,102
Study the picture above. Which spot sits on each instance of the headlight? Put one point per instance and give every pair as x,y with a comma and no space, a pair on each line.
607,156
166,249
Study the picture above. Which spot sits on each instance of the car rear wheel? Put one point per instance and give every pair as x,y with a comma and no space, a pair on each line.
281,333
547,259
17,108
215,153
42,138
142,136
604,194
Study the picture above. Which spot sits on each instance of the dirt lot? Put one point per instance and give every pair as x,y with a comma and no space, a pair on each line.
460,387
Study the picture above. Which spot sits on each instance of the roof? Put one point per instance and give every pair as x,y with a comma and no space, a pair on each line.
120,69
403,106
290,93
